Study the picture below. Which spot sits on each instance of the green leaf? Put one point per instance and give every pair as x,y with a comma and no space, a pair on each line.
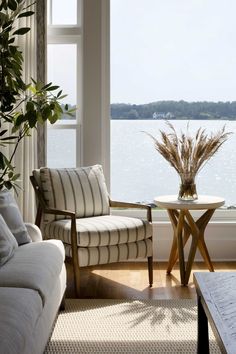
46,86
3,132
53,118
35,82
8,184
59,93
2,162
21,31
29,106
15,177
9,138
46,112
12,40
19,120
52,88
12,4
26,14
61,97
32,89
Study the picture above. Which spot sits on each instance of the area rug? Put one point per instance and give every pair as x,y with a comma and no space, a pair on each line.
127,326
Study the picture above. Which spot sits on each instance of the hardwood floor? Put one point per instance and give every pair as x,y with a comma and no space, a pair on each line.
130,281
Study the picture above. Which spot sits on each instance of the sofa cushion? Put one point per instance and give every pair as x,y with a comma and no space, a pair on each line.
8,243
35,266
20,310
11,214
81,190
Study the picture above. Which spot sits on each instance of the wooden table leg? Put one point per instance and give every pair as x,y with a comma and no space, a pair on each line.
174,252
202,223
193,248
187,233
203,335
179,234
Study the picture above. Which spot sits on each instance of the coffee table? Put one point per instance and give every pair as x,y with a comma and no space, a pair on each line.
184,226
216,304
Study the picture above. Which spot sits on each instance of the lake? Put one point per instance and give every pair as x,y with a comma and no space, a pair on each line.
140,173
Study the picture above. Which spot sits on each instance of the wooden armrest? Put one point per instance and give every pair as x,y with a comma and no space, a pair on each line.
118,204
59,212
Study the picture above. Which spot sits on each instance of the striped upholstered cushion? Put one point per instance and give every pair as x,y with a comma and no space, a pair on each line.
101,230
81,190
111,254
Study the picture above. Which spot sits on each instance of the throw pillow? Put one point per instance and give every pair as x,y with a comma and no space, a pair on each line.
12,216
81,190
8,242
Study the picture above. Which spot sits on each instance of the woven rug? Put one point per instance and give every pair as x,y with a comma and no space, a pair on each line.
127,326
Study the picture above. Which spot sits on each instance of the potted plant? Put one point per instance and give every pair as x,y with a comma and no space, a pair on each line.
22,105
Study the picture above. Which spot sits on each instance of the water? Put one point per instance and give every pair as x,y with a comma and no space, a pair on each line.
140,173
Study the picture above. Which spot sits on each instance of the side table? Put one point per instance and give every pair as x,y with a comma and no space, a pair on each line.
184,225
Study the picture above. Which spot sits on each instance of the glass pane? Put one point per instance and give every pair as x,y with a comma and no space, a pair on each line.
62,70
172,69
61,148
64,12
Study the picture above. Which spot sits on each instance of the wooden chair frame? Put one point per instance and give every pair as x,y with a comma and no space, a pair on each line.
43,208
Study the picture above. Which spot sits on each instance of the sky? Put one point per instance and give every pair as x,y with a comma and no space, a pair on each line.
173,50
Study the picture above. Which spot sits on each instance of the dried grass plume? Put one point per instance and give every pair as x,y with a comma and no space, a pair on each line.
188,154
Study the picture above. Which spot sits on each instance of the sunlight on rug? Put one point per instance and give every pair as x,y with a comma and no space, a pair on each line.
127,326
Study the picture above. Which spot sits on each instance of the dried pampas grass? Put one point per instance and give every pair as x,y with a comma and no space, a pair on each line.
188,154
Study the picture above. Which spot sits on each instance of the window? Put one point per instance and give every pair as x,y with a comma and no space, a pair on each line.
64,58
164,56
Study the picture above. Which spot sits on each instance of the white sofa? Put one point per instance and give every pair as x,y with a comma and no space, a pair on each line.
32,286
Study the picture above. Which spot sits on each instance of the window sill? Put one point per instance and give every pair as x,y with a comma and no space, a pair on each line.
220,216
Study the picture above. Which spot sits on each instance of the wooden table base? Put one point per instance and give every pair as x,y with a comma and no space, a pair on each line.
184,225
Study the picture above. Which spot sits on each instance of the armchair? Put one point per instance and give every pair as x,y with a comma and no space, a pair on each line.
74,206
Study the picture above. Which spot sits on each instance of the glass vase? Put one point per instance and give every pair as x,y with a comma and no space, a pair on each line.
187,189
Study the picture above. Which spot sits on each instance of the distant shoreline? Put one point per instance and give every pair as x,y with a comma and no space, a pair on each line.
175,110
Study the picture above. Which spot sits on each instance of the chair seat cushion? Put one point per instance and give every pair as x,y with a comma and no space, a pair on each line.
101,230
111,254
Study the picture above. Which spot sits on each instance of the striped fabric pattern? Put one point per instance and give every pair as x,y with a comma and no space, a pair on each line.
111,254
101,230
81,190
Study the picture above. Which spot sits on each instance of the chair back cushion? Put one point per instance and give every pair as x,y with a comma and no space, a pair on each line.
81,190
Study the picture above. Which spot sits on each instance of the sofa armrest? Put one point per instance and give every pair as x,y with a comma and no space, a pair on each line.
34,232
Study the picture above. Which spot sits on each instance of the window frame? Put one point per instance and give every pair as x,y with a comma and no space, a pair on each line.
70,34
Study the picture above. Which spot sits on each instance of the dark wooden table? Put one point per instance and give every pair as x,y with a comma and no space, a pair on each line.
217,304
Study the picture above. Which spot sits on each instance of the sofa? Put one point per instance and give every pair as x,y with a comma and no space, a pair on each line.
32,286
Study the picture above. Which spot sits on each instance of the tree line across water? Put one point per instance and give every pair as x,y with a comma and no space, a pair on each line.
175,110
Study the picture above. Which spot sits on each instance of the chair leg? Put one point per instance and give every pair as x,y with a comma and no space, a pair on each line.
150,270
77,281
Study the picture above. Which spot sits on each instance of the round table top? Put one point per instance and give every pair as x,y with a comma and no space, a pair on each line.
203,202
